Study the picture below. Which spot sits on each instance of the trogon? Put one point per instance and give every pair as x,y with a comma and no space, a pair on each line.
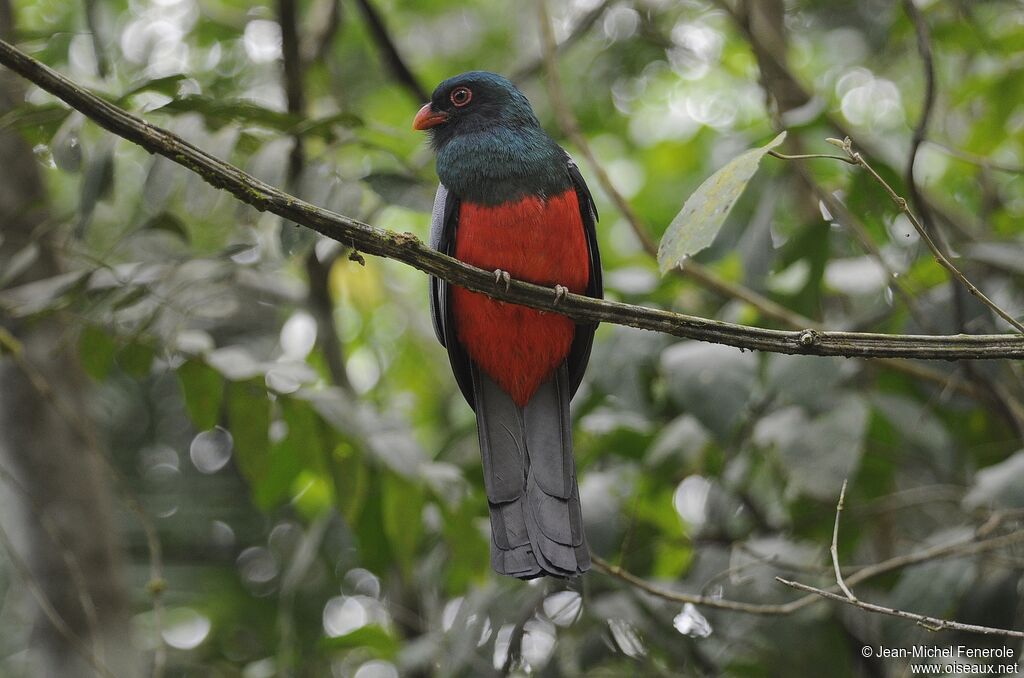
513,202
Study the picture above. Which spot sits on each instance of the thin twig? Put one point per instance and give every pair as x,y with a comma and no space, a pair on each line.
808,156
292,76
977,160
973,545
1007,403
389,50
581,28
85,598
693,269
790,79
407,248
930,623
838,210
834,549
49,610
902,205
327,25
515,641
924,48
92,22
10,345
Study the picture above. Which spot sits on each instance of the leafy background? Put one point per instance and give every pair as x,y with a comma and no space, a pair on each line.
291,427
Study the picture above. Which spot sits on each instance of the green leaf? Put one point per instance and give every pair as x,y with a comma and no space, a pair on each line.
351,480
374,551
704,212
136,359
165,221
203,388
96,348
402,504
288,457
371,637
97,184
219,112
249,424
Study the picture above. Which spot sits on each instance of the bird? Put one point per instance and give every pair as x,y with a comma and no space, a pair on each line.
512,201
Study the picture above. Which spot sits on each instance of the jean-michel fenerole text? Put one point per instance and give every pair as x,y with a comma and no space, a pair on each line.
951,652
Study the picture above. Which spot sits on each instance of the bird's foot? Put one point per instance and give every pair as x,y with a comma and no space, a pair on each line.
502,278
560,292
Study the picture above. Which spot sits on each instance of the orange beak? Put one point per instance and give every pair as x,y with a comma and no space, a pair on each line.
427,118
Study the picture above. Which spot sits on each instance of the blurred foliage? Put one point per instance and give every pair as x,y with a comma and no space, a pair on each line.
316,526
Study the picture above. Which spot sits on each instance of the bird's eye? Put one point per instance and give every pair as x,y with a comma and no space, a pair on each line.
461,96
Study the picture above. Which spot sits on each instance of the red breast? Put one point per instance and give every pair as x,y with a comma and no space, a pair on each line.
534,239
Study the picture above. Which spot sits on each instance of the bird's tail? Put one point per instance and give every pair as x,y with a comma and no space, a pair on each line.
530,478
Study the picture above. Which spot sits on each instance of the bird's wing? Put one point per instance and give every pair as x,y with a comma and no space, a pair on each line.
443,224
579,352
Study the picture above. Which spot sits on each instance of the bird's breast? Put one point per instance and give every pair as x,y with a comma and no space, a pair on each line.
540,240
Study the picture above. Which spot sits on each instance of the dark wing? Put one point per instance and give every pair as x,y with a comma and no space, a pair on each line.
579,352
443,223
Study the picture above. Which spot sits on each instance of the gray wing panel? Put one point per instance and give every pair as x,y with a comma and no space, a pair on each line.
438,217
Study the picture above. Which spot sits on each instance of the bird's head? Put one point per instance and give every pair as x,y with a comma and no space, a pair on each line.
471,102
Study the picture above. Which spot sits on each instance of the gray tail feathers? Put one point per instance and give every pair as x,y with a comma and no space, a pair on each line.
530,478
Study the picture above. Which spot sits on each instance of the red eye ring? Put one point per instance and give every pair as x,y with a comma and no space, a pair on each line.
461,96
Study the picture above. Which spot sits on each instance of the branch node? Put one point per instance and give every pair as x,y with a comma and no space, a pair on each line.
406,239
809,338
156,586
932,627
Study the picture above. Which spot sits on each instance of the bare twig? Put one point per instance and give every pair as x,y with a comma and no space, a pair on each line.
407,248
973,545
585,23
930,623
901,203
515,641
389,50
860,232
317,272
834,549
809,156
977,160
924,48
328,22
85,598
93,23
292,76
49,610
693,269
10,345
1008,404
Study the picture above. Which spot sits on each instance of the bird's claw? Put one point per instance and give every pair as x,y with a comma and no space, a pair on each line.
502,277
560,292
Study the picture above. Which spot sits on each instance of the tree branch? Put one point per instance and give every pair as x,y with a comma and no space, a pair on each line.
389,50
407,248
954,549
693,269
834,549
585,23
930,623
58,622
940,257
